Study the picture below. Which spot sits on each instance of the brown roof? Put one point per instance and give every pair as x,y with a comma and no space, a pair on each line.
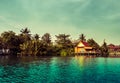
111,45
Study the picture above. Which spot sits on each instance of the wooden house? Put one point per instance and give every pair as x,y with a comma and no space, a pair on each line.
83,47
113,48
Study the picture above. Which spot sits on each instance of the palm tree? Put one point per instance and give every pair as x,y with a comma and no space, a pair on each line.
25,34
25,31
82,37
30,48
36,36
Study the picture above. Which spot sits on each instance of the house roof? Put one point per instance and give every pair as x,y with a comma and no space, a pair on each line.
112,46
115,47
85,43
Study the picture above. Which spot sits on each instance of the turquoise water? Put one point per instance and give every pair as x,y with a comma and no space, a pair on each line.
59,70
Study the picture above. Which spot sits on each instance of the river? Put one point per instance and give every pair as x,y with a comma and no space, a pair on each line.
77,69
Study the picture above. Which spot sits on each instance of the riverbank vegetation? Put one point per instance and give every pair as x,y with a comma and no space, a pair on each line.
27,44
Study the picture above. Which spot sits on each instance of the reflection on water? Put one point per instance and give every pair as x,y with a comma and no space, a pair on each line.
78,69
81,60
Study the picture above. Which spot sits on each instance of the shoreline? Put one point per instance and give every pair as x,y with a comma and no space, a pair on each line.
45,56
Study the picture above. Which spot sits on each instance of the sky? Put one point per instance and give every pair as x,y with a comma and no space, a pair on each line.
97,19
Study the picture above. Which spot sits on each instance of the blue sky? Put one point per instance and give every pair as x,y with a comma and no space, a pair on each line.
98,19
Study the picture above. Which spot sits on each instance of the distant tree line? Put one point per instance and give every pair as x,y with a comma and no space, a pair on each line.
27,44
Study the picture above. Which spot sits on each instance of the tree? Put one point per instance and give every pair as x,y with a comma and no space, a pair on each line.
7,36
25,35
47,46
46,39
36,37
1,43
31,48
93,44
25,31
104,49
63,40
10,41
64,44
82,37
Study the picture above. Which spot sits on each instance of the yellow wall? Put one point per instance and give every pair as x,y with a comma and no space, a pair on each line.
81,48
80,45
78,50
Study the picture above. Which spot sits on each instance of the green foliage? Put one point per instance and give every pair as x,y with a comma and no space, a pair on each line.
26,44
64,44
25,31
25,35
36,37
46,39
82,37
10,41
7,36
63,53
63,41
93,43
1,43
30,47
104,50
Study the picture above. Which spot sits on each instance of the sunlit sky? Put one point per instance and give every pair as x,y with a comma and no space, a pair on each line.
98,19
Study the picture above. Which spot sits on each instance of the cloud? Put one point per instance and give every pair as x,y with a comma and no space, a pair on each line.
92,17
9,24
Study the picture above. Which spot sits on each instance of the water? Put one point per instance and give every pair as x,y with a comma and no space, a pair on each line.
59,70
